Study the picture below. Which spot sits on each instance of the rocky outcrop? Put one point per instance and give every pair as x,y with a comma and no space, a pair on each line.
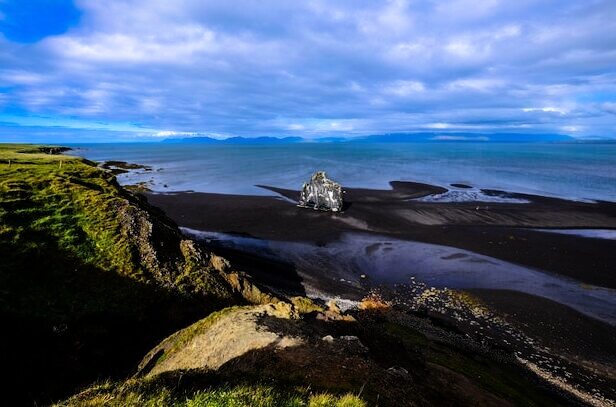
175,262
321,193
240,282
219,338
276,342
164,255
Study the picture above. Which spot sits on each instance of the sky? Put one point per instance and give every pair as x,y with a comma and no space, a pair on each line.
134,70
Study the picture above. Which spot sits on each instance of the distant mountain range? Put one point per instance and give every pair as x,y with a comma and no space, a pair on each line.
389,138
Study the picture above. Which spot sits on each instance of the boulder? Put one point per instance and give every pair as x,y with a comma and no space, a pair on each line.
321,193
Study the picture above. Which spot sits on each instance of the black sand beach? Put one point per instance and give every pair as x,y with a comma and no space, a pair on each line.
559,339
507,231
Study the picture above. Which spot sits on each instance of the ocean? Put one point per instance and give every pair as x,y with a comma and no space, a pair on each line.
569,170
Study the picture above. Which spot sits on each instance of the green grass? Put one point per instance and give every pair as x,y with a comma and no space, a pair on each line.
75,294
54,216
61,217
68,201
151,392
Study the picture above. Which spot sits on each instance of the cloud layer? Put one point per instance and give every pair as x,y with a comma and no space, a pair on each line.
135,68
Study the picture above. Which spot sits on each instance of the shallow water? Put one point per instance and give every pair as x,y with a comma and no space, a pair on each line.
392,261
609,234
574,171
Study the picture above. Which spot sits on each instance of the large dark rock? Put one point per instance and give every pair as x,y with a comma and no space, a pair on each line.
321,193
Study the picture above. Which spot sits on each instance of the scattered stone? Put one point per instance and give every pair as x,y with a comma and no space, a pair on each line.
58,329
328,338
397,370
353,344
332,306
334,313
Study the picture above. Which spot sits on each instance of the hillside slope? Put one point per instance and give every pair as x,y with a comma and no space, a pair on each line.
373,357
90,275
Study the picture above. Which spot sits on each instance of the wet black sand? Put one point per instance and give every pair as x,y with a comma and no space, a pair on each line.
501,230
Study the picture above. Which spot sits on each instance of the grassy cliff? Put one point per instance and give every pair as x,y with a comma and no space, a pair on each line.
90,276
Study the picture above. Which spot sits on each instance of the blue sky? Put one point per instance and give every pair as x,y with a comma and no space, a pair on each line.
90,70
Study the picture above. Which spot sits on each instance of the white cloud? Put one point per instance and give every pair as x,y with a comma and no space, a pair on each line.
506,32
318,67
609,107
463,48
392,19
467,9
547,109
171,133
187,134
440,126
571,129
404,88
460,138
454,126
296,127
176,47
21,77
476,84
320,126
346,125
39,98
151,104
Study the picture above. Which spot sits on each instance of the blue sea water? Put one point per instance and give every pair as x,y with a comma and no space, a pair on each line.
568,170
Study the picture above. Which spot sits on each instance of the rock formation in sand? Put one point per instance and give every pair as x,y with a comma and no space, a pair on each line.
321,193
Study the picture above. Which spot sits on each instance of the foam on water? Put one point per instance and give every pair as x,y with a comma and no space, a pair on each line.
470,196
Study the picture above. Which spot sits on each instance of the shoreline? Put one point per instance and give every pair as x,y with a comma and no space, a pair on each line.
237,175
390,209
349,267
506,231
578,262
536,329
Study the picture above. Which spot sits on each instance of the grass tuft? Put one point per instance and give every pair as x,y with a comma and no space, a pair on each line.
150,392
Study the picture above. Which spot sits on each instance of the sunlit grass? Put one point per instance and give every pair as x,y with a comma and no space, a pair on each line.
144,392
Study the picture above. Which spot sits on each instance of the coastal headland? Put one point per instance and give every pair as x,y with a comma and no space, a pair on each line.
105,298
